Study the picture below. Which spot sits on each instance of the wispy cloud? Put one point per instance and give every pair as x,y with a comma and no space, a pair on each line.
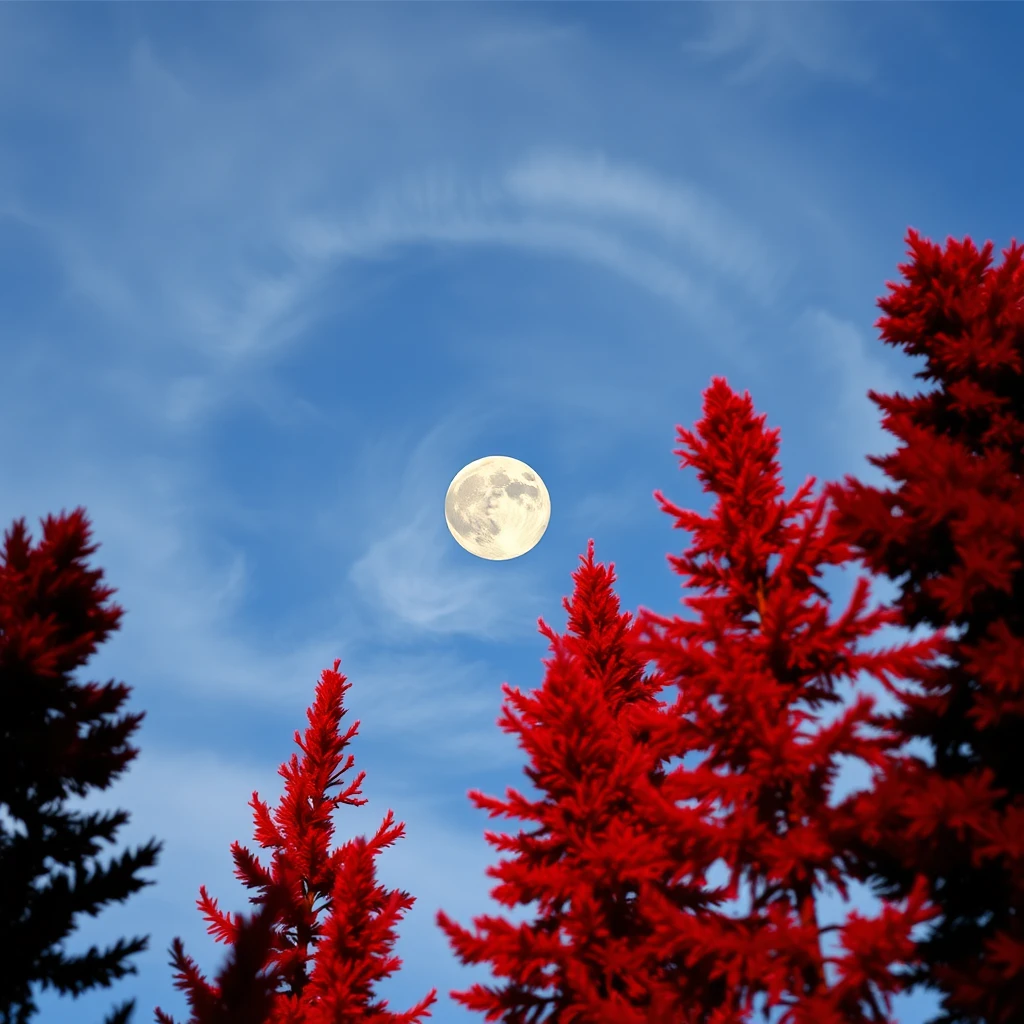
841,353
587,208
406,575
417,693
416,577
677,210
817,40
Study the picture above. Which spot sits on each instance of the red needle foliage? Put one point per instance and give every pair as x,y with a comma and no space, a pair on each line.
58,738
610,883
951,532
754,669
350,949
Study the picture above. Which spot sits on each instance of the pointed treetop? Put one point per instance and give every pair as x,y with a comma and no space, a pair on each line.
609,882
350,951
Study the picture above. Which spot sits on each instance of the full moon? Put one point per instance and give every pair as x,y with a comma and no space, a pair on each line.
497,508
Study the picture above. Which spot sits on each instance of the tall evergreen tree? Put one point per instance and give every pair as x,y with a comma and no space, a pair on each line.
756,666
611,883
53,614
950,533
287,966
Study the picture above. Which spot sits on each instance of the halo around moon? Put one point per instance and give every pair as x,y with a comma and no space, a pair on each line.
497,507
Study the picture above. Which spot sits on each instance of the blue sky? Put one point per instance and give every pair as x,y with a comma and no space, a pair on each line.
270,275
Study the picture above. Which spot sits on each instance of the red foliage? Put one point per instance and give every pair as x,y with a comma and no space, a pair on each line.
611,884
350,949
58,738
755,668
951,532
53,614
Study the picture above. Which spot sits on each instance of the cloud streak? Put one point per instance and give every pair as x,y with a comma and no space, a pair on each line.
592,200
811,41
841,354
415,576
676,210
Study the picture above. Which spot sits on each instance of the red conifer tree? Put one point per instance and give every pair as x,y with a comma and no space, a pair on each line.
57,738
603,947
350,948
951,532
754,669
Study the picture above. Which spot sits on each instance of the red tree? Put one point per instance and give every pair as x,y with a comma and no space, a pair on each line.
350,948
58,738
603,946
755,668
951,532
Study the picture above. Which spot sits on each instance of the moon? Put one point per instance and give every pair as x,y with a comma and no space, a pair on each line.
497,507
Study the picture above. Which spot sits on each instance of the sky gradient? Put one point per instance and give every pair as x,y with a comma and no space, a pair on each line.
271,275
